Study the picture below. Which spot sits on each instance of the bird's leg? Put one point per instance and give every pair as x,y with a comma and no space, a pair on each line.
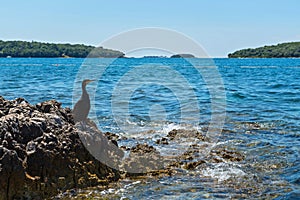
83,125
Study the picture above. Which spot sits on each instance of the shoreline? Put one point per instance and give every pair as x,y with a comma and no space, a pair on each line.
44,152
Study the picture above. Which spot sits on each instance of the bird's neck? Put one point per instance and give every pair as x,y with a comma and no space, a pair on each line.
84,92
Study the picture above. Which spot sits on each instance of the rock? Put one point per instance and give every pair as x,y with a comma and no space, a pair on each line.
143,159
183,133
12,174
41,152
220,154
162,141
193,165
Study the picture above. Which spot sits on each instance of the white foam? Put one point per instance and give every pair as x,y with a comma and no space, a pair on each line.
223,171
169,127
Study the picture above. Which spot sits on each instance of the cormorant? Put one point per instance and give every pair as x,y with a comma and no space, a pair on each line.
82,107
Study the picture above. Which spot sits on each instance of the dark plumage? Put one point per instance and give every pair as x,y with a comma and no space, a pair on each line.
82,107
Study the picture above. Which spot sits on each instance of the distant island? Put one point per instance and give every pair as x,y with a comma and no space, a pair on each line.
24,49
183,55
51,50
284,50
154,57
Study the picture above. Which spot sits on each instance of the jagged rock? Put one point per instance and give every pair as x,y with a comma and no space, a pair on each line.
183,133
143,159
12,174
162,141
41,152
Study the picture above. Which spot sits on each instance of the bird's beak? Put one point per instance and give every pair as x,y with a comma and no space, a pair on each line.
90,81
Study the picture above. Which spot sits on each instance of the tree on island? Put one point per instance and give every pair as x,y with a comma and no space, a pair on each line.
284,50
51,50
183,55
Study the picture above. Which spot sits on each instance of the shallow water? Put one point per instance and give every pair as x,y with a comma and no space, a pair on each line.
144,99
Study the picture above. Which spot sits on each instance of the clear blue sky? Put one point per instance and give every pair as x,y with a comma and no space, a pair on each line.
220,26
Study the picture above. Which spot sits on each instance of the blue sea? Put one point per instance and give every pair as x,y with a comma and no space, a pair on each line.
251,105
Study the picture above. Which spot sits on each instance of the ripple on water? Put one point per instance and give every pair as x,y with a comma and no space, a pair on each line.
262,122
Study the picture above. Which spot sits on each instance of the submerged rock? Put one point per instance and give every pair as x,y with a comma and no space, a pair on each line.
41,152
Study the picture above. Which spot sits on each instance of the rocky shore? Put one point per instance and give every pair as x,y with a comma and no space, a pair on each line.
43,153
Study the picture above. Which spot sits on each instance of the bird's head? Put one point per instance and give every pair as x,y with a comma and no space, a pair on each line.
86,81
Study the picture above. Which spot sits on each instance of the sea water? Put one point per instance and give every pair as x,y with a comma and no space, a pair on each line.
145,98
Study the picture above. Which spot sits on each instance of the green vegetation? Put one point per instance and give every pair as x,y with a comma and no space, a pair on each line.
183,55
284,50
50,50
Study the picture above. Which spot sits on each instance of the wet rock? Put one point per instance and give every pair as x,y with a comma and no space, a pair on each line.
162,141
186,133
113,138
41,152
193,165
143,158
172,134
198,154
220,154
